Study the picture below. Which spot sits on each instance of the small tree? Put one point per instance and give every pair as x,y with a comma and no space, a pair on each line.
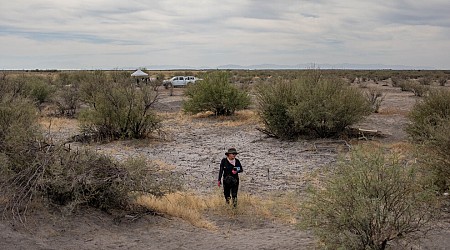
216,94
371,199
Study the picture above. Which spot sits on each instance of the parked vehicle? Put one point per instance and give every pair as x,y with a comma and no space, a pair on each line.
178,81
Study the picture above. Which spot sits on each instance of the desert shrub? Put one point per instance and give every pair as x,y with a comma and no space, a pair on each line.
216,94
36,88
429,126
415,87
67,100
428,114
312,105
40,91
425,80
87,178
18,124
119,76
18,133
118,110
275,100
395,81
375,97
419,89
442,81
157,81
33,170
370,199
405,85
74,179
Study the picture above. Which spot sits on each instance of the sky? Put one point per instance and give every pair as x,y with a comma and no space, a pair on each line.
117,34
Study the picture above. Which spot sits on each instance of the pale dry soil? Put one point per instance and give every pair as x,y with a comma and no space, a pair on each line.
193,146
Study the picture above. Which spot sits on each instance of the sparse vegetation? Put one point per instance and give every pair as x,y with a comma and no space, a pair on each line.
356,204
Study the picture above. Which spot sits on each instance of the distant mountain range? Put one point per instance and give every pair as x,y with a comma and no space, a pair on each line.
297,66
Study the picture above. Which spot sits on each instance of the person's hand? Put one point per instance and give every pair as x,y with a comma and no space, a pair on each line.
233,171
218,183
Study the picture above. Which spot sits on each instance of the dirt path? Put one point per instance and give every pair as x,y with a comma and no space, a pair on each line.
95,230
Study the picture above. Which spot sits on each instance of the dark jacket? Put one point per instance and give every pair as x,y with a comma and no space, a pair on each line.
226,167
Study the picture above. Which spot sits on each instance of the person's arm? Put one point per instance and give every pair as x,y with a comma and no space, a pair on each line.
220,172
238,164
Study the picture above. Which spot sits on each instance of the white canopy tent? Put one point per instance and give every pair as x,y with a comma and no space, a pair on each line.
139,73
140,76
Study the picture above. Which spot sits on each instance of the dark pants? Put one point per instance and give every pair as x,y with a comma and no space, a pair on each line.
233,189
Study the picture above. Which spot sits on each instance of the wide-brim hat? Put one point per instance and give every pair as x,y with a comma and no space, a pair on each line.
231,151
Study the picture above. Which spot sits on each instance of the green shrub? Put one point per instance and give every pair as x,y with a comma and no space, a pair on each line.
428,114
118,110
415,87
312,105
275,100
216,94
369,200
40,90
419,89
429,126
36,88
18,124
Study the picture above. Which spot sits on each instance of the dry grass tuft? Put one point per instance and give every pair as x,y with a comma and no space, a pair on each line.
186,206
282,207
240,118
248,205
193,208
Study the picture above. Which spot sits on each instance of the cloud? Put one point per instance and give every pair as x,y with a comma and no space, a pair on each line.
112,33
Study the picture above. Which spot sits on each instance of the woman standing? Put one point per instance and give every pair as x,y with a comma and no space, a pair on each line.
230,167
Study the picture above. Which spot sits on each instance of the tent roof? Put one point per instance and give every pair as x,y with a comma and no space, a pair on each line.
139,73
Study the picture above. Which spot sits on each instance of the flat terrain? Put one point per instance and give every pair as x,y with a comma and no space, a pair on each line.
193,146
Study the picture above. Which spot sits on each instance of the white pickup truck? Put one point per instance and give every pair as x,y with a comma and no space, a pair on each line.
178,81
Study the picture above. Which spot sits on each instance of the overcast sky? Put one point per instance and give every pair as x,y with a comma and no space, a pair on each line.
109,34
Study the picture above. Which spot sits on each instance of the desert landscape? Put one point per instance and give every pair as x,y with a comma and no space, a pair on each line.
192,146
